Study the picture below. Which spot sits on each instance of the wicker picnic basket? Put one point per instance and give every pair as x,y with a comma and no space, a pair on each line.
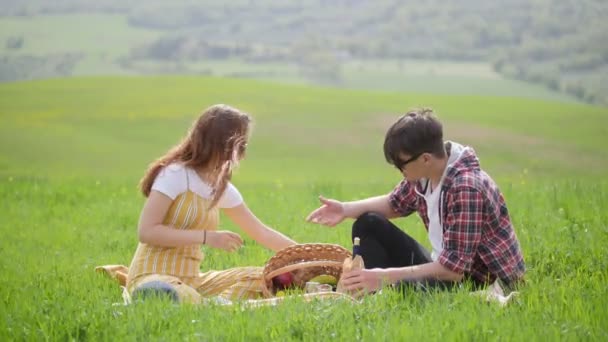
305,261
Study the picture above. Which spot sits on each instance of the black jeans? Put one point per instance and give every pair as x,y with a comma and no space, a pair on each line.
384,245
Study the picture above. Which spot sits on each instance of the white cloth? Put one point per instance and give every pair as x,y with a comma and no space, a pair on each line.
175,179
435,228
433,201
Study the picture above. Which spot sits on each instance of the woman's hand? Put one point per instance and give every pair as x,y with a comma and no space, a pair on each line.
224,239
329,214
246,220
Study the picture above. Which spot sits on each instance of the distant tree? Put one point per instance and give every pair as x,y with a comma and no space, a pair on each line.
14,42
577,90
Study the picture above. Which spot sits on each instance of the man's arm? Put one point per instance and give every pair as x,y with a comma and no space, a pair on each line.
332,212
462,234
462,229
402,201
431,270
378,204
373,279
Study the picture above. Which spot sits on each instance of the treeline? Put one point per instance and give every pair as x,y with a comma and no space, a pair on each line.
14,68
558,43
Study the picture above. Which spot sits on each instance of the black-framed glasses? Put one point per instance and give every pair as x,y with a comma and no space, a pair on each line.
401,165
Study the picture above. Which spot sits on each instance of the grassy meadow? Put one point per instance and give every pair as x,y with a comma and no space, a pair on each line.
72,152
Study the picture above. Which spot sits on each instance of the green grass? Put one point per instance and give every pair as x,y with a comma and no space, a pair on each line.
72,151
66,127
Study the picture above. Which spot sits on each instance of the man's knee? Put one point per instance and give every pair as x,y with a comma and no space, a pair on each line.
367,221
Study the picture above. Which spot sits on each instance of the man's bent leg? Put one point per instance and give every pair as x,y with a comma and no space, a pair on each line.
385,245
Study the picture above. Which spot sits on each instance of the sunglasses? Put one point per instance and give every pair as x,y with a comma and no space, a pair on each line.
400,165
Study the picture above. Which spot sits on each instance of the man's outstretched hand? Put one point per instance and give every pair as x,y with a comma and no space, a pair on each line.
330,213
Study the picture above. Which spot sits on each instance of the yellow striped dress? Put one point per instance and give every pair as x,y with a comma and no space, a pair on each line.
180,266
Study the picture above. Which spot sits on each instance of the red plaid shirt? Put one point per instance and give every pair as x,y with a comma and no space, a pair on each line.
478,238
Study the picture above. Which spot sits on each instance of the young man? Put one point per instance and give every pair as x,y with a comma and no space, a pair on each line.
462,209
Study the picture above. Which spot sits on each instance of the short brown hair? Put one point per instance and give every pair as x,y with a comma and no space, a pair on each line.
414,133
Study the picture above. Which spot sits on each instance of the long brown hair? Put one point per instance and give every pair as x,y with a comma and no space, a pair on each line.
214,145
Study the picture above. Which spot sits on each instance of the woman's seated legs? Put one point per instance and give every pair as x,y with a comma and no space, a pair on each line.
158,285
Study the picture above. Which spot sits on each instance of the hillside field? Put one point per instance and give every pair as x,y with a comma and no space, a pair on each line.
73,150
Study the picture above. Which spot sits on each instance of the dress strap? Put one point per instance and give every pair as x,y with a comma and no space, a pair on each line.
187,179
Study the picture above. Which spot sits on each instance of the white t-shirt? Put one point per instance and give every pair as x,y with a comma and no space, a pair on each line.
433,199
175,179
435,228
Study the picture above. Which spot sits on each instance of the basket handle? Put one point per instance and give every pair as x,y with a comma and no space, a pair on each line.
305,264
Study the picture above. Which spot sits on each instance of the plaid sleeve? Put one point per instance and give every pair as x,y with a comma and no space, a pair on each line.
403,198
461,229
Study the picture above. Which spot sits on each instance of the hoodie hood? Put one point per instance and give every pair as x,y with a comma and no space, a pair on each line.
462,159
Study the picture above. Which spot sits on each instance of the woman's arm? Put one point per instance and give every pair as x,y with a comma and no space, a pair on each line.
152,231
264,235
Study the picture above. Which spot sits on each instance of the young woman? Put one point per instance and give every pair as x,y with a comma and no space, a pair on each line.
185,190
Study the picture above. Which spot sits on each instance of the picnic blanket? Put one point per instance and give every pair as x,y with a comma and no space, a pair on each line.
492,294
119,273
